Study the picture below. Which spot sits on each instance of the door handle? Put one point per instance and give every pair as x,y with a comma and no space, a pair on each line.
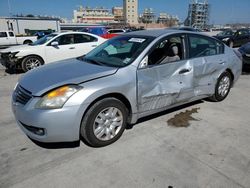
221,62
71,48
182,71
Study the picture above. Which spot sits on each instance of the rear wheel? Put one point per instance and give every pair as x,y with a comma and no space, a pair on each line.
222,87
104,122
27,42
31,62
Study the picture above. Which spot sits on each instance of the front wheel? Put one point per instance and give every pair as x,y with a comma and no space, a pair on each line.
31,62
222,87
104,122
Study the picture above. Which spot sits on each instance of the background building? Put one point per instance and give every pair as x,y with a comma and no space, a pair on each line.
148,16
118,14
130,9
29,25
99,15
198,14
168,20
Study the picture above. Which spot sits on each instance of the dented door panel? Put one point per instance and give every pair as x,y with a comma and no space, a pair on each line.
163,85
206,70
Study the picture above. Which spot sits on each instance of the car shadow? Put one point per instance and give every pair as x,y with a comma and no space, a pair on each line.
56,145
153,116
246,71
13,71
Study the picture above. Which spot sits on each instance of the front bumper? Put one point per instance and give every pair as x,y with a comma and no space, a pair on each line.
59,125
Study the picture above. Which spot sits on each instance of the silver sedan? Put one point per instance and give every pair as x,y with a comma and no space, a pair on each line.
124,79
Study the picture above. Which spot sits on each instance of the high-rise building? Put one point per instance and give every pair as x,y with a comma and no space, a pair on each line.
130,8
118,14
198,14
148,16
98,15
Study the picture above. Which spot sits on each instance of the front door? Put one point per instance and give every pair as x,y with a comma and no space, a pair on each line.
167,78
65,49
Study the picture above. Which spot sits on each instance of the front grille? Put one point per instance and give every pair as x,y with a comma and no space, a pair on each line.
22,95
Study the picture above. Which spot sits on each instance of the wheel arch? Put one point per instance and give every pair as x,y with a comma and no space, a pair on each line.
27,41
118,96
30,55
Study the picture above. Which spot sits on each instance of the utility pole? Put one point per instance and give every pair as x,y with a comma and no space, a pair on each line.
9,7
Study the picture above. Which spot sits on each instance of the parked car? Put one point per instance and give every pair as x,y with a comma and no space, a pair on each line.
119,31
186,29
100,31
234,39
245,51
8,38
50,48
124,79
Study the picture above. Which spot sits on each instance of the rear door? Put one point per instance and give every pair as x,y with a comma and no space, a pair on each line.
84,43
12,38
207,56
241,37
165,81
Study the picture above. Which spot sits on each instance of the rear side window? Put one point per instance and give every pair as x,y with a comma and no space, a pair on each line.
11,34
79,38
3,34
200,46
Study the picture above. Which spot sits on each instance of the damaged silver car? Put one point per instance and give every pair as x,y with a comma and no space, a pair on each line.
124,79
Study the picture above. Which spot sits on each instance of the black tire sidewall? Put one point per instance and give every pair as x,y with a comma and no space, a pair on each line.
88,121
217,96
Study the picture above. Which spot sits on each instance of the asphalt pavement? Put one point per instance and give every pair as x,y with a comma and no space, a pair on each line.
203,144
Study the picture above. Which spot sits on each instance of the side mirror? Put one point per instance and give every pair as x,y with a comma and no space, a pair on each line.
54,43
144,62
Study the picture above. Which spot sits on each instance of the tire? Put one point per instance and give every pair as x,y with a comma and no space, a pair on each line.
27,42
104,122
222,87
31,62
231,44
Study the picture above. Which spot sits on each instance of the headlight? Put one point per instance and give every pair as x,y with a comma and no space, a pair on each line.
13,54
58,97
225,39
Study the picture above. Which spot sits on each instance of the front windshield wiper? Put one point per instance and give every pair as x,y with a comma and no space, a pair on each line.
91,61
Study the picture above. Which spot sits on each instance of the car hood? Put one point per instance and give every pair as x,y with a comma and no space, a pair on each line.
22,48
71,71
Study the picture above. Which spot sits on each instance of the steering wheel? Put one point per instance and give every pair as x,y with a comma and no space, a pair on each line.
103,53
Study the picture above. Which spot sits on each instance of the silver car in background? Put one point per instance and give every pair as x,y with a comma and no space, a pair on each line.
124,79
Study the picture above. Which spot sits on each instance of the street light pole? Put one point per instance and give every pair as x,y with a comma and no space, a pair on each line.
9,7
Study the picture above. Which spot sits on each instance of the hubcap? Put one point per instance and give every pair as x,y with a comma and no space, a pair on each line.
108,123
32,63
224,86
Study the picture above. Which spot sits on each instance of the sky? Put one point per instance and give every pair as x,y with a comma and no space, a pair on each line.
222,11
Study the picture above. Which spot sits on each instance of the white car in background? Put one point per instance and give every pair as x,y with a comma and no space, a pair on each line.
50,48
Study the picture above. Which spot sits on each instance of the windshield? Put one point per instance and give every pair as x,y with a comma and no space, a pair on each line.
44,39
227,32
119,51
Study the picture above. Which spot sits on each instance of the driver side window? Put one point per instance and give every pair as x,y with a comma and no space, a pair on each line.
167,50
65,39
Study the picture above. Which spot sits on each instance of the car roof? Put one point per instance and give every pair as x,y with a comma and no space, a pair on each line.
157,32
